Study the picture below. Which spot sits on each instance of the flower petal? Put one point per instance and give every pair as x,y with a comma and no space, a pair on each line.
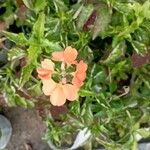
81,76
47,64
58,97
58,56
44,73
77,82
71,91
70,54
48,86
81,66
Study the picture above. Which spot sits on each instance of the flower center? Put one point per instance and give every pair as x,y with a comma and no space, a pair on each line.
63,73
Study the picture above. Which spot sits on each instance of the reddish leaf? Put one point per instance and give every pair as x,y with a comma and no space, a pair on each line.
22,12
57,111
2,26
90,21
138,61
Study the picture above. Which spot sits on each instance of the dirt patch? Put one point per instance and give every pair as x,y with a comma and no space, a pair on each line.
28,130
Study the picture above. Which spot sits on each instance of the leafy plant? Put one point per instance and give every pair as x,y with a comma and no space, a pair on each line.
112,38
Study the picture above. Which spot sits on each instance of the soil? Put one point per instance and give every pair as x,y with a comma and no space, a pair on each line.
28,130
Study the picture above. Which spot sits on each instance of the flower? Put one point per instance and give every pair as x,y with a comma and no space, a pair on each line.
80,74
63,90
59,92
46,70
68,56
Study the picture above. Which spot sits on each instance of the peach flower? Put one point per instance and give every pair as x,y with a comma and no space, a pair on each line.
68,56
46,70
58,92
64,90
80,74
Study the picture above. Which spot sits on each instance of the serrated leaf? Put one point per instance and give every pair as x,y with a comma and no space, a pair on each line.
102,20
38,28
51,46
15,53
33,53
26,74
18,39
39,5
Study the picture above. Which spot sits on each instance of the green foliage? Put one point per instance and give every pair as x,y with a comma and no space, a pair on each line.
102,21
114,102
84,15
132,16
18,39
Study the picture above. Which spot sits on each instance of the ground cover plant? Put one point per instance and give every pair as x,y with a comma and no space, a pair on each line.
81,64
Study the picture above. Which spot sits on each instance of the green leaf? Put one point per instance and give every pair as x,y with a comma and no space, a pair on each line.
139,47
78,10
13,99
28,3
20,101
144,133
26,74
86,54
87,114
116,53
15,53
100,77
9,95
143,36
36,90
33,53
124,8
60,6
30,104
38,28
142,11
75,107
39,5
102,20
18,39
112,87
84,93
50,46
